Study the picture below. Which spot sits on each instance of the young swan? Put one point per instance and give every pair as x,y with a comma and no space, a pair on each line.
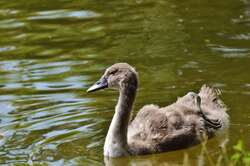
155,129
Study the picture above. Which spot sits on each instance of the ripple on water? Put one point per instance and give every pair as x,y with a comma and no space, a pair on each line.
7,48
43,123
56,85
230,52
191,65
61,14
241,37
11,23
35,75
7,12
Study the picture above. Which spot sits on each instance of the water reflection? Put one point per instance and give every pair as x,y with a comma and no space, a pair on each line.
51,51
171,158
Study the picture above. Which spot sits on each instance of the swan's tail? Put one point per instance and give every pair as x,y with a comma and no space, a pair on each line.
213,106
211,97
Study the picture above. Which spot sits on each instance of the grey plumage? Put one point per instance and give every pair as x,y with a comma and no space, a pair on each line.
179,125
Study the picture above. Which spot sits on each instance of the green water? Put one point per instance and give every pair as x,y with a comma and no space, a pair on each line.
51,51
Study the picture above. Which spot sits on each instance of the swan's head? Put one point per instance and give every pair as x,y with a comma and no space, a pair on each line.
116,76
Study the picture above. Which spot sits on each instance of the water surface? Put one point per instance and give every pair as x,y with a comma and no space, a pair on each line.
51,51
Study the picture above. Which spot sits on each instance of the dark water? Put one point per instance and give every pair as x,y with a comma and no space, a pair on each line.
51,51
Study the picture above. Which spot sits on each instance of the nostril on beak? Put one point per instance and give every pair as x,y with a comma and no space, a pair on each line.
101,84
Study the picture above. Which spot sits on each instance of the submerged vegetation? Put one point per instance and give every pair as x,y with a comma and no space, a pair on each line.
240,156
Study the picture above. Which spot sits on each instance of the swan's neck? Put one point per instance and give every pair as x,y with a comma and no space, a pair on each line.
116,139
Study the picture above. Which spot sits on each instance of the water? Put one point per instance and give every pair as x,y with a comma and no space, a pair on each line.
51,51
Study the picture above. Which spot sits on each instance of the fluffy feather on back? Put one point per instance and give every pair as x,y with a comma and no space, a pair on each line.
178,125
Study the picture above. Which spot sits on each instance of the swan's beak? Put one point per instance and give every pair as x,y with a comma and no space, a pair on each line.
101,84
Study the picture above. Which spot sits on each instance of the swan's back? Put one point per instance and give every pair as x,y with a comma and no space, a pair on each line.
176,126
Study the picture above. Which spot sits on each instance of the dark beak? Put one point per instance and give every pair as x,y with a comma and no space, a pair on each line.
101,84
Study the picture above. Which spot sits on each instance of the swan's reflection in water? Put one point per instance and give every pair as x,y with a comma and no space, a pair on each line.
152,160
181,160
193,156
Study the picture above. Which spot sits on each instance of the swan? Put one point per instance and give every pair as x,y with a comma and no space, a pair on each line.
155,129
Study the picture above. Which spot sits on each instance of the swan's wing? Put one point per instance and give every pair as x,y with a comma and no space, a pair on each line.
179,139
148,124
149,120
156,130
